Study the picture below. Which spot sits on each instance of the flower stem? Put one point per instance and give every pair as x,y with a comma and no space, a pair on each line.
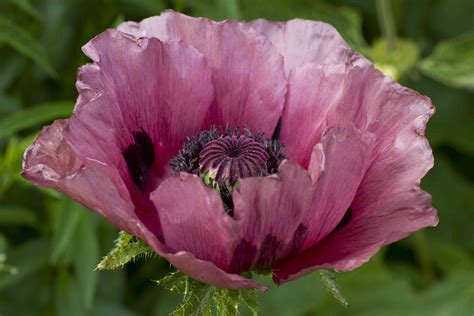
386,23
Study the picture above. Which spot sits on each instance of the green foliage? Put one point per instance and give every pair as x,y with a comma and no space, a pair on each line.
34,116
398,61
127,248
452,62
329,280
203,299
22,42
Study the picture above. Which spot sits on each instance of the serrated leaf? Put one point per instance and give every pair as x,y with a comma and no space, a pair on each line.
34,116
329,280
452,62
249,297
204,299
22,42
127,248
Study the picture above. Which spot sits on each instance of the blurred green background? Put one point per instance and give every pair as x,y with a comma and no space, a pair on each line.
49,245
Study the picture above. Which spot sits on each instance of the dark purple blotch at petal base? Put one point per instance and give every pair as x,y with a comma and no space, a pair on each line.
139,158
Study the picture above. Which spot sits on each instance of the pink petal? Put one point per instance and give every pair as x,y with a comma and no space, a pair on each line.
347,154
312,91
270,211
302,42
134,85
51,162
389,203
194,220
248,73
354,244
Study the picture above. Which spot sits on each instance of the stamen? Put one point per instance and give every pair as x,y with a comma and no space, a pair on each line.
221,158
232,157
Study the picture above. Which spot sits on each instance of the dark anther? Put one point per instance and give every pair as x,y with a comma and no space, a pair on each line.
276,154
223,156
187,159
276,132
139,157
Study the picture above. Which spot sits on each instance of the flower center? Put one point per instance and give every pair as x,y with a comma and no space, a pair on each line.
221,158
229,158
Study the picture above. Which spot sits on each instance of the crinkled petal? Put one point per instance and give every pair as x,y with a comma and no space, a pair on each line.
138,102
302,42
347,154
313,90
354,244
389,204
248,72
194,219
270,211
138,85
51,162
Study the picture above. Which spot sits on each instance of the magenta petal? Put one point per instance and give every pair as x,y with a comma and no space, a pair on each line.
248,72
51,162
138,85
303,42
347,154
270,211
354,244
194,220
389,204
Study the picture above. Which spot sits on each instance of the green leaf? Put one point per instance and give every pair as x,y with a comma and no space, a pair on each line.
11,67
452,62
14,215
68,296
396,62
27,7
86,255
10,162
452,196
4,266
127,248
204,299
453,122
249,297
67,219
34,116
150,6
27,259
21,41
329,280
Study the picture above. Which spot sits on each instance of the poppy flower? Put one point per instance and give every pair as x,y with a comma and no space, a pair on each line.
231,147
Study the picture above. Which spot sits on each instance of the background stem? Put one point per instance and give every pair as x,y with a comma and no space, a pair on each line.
386,23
